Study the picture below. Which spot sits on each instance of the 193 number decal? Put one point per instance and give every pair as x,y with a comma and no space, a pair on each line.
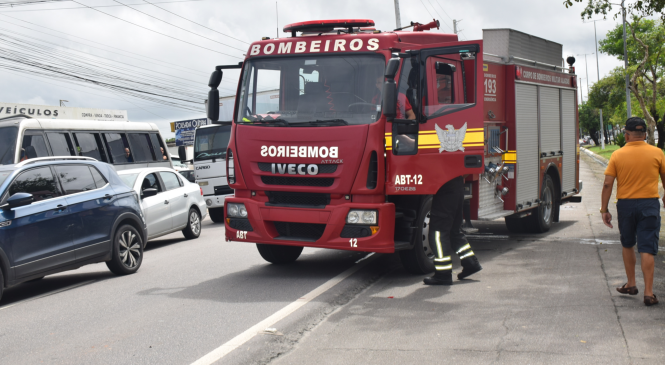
353,242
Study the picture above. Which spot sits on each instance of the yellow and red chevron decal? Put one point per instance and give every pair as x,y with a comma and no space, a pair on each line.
474,137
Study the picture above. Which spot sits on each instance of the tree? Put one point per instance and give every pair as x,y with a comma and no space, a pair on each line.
640,7
646,54
609,95
589,121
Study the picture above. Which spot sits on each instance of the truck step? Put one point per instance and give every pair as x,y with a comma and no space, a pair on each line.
496,215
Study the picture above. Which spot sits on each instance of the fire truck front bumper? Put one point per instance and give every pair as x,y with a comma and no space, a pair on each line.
326,227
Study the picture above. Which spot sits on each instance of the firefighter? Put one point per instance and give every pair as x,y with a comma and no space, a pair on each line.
446,237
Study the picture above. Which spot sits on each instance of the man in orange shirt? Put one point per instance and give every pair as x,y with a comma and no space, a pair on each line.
636,167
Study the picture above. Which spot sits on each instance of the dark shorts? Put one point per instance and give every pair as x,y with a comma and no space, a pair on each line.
639,222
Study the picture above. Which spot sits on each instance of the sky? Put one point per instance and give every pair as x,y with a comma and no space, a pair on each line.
188,61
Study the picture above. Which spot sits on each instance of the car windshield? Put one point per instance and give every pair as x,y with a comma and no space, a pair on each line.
129,179
312,90
7,145
211,142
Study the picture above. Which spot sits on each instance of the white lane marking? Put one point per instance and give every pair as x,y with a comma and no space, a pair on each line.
237,341
48,294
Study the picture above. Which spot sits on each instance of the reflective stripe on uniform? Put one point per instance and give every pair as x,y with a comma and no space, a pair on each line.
437,238
470,253
447,267
464,248
447,258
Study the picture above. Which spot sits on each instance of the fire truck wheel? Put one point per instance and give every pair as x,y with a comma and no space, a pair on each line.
542,216
278,254
216,214
420,259
515,224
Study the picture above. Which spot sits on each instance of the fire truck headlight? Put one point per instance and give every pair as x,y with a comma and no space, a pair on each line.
236,210
357,216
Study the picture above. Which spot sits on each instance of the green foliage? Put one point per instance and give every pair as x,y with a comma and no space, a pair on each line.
604,7
589,121
620,139
169,140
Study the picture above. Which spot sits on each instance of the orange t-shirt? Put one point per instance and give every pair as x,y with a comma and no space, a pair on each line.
636,167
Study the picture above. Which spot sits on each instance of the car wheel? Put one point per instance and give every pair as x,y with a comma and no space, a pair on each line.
127,252
278,254
193,229
2,284
420,259
216,214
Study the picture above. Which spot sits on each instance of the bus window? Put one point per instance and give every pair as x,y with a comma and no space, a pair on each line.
7,145
89,145
157,145
118,148
61,144
33,146
140,144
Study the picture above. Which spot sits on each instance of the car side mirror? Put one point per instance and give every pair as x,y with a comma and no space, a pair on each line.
18,200
148,192
389,102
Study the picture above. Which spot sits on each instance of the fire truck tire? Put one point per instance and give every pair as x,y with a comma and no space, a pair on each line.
515,224
420,259
278,254
541,219
216,214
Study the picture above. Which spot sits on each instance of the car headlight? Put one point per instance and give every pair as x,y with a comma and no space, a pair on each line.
236,210
367,217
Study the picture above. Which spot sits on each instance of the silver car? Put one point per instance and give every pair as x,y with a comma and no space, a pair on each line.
170,203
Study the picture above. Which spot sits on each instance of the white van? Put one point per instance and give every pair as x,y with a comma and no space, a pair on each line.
125,145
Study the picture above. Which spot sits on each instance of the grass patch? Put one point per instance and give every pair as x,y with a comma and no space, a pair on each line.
607,152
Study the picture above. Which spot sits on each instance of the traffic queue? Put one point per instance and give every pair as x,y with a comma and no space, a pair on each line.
63,205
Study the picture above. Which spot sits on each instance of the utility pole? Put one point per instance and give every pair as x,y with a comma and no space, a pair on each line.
587,71
398,21
455,23
625,59
595,35
581,90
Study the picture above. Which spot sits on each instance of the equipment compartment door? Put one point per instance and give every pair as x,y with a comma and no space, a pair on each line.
568,140
550,122
526,129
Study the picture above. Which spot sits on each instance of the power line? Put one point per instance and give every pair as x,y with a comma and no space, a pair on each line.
437,2
98,6
440,17
430,14
181,28
8,4
168,11
154,31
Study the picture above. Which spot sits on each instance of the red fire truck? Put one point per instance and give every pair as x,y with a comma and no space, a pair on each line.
363,126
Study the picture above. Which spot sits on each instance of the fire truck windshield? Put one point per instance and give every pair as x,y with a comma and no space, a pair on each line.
311,90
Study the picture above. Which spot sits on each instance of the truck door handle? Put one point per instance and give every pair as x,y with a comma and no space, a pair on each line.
108,196
186,195
60,207
166,201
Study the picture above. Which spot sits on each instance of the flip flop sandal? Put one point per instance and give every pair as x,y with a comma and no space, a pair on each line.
649,301
632,290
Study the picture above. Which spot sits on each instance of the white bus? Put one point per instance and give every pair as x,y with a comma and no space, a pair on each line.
125,145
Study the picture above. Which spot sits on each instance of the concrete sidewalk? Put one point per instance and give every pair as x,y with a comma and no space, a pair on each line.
541,299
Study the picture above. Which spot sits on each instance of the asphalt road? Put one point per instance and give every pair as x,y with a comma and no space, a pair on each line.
540,299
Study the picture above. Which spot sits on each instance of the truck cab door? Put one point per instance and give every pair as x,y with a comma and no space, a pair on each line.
446,139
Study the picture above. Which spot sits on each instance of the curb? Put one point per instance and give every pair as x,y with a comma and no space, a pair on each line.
600,159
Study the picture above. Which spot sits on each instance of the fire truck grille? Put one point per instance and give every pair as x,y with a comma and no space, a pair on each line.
297,181
323,169
298,199
300,231
240,224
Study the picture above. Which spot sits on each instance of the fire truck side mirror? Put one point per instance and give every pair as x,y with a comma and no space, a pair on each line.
213,105
389,102
391,68
215,79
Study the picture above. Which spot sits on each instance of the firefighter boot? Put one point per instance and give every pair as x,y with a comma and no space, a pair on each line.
444,277
470,266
